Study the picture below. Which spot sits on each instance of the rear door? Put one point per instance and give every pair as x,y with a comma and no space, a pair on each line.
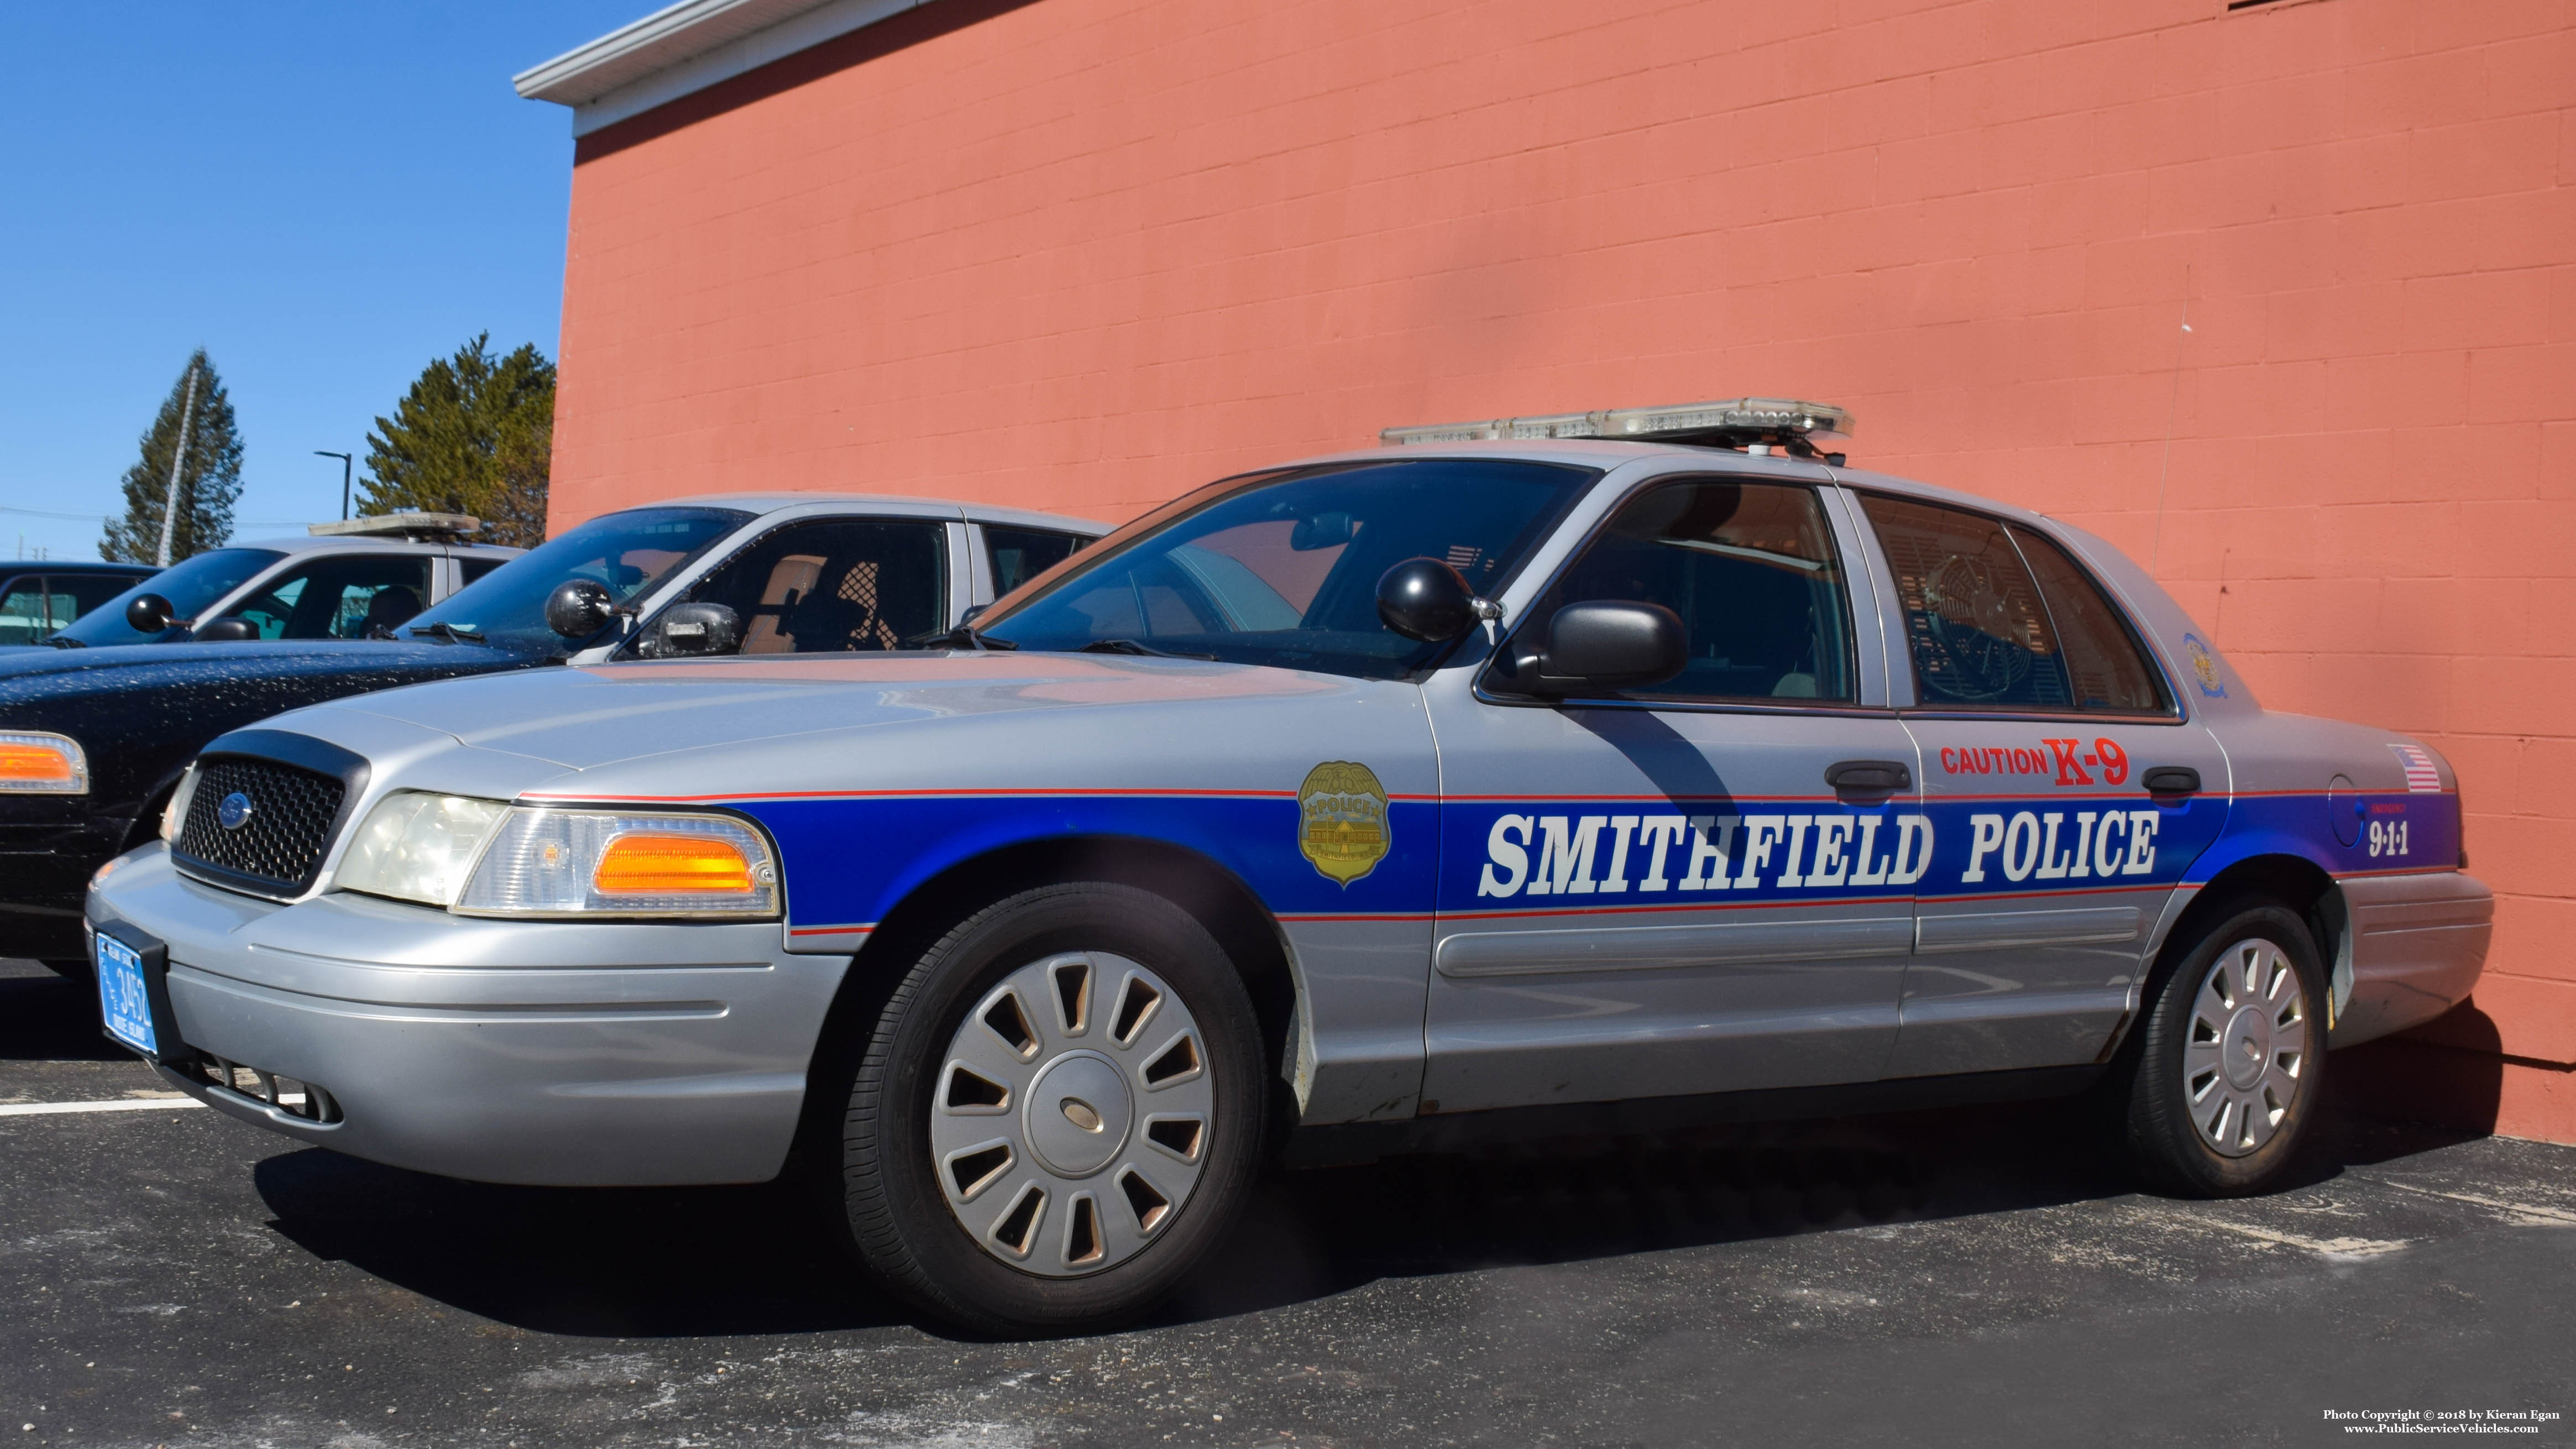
2039,718
1658,892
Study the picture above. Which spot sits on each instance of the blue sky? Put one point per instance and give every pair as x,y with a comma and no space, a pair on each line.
324,196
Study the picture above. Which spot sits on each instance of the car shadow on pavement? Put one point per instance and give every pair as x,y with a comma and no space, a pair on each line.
630,1263
593,1262
47,1018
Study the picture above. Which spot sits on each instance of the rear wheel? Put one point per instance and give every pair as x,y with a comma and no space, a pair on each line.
2235,1042
1057,1113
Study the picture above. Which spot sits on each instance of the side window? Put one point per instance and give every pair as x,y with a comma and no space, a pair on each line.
836,585
26,612
340,598
88,591
2002,619
1021,554
471,568
1751,570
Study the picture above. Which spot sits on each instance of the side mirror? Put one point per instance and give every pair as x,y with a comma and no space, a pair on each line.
148,614
578,608
1425,599
689,630
1602,646
222,631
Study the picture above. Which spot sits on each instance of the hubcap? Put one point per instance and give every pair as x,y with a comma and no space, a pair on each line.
1072,1114
2247,1050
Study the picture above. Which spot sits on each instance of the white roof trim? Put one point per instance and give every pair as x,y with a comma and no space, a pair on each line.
688,47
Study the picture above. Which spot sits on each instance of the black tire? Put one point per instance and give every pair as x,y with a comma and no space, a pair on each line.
2180,1135
898,1220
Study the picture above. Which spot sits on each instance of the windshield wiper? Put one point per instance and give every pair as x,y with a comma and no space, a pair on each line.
449,632
66,641
962,636
1130,646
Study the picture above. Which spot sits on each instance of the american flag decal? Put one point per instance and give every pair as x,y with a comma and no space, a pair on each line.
2421,777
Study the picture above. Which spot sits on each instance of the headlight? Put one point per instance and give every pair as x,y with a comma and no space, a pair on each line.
484,858
42,764
175,814
418,847
581,863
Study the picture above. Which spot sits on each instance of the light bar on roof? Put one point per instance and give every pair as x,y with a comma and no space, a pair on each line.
1741,420
399,525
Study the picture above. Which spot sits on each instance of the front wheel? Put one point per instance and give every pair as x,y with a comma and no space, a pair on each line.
2228,1073
1057,1114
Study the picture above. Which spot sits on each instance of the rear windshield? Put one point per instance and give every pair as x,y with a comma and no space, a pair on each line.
1283,569
628,552
192,586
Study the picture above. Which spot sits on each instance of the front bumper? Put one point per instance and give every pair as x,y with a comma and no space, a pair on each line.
2410,948
550,1052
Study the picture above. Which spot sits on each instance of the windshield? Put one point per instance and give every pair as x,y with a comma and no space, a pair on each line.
1283,569
192,586
628,552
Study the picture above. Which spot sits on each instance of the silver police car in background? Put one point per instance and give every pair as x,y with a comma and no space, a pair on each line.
1519,774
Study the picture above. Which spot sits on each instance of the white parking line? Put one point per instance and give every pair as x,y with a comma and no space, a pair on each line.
121,1104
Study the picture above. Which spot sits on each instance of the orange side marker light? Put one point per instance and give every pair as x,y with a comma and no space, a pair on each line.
667,865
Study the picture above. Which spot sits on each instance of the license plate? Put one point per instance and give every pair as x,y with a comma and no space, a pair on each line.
123,1000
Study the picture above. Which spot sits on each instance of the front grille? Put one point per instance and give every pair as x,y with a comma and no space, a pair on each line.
280,841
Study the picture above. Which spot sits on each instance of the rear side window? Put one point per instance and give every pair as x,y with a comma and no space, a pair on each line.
1999,618
476,568
1021,554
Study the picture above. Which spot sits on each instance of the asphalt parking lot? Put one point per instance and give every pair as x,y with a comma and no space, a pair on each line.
173,1277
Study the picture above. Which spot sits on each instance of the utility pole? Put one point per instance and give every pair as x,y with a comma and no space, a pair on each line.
344,478
178,460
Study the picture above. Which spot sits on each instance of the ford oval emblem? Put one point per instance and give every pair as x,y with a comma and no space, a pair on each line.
234,812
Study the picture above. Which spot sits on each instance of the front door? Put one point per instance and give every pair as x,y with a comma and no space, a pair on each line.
2039,719
1657,892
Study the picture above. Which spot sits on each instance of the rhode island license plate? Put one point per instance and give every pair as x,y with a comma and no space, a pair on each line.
122,998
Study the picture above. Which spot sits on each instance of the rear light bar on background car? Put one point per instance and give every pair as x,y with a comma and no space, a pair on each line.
1745,422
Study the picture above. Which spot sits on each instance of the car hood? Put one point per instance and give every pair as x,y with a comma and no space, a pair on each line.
585,718
47,672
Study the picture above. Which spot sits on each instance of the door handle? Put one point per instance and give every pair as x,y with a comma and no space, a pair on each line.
1868,777
2171,780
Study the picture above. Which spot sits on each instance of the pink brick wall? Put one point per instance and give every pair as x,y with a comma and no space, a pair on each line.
1083,254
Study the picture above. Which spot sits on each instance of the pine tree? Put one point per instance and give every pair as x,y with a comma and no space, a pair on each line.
475,434
209,479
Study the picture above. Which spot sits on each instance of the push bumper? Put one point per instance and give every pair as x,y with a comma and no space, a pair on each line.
2411,947
548,1052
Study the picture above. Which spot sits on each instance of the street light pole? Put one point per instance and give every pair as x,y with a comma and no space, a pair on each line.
344,478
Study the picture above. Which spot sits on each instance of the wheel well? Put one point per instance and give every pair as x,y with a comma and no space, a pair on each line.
2295,882
1219,899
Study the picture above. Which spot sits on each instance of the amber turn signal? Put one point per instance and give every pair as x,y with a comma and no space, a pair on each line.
43,763
641,864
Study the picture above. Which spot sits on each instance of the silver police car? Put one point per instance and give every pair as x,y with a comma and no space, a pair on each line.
1592,772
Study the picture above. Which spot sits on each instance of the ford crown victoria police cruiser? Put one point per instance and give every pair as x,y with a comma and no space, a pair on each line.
1517,773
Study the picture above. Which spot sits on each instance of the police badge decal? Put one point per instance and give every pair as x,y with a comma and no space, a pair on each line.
1341,821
